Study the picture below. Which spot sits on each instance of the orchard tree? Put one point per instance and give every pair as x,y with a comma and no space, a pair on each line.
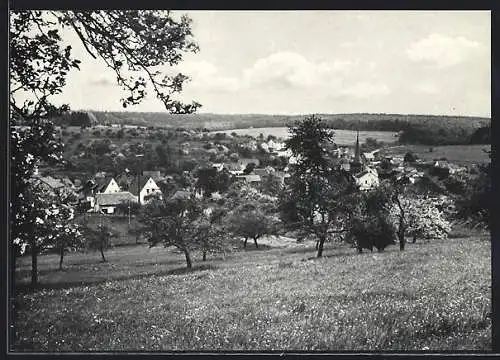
135,44
209,180
319,196
47,221
271,184
99,238
177,221
415,214
423,218
370,224
252,220
478,201
212,235
68,233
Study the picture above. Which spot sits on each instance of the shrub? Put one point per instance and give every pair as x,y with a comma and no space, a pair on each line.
374,232
410,157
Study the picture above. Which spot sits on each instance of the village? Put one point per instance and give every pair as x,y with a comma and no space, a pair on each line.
105,193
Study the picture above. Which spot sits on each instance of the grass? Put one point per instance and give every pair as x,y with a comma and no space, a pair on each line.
341,137
432,296
458,154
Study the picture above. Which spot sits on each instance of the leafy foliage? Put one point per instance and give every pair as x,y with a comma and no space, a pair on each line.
423,218
210,180
99,238
318,197
370,225
181,221
477,203
134,44
252,220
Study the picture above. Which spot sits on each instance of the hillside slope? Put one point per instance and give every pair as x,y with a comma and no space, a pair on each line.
389,122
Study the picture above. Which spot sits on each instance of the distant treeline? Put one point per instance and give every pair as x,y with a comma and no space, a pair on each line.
76,118
444,135
414,129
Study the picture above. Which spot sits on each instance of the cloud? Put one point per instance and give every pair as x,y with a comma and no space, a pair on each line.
366,90
206,76
427,87
292,70
442,50
105,79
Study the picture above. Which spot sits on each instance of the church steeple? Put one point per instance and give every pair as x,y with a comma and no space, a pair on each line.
356,164
357,154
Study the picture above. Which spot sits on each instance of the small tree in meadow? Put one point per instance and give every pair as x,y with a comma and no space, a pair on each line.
370,224
179,221
250,220
318,194
99,238
422,218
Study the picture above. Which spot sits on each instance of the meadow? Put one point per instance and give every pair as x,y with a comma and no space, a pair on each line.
457,154
341,137
433,296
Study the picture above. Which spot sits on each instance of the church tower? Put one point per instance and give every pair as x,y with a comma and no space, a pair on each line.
356,164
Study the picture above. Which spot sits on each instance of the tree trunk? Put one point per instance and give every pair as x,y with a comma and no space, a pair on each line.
245,243
401,229
188,258
402,240
255,241
101,248
320,246
12,263
61,258
414,239
204,255
34,263
317,245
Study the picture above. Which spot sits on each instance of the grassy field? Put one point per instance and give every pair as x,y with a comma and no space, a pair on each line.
341,137
458,154
242,121
433,296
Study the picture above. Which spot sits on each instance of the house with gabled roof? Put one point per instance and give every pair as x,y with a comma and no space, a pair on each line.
108,202
251,179
144,186
51,183
107,185
367,179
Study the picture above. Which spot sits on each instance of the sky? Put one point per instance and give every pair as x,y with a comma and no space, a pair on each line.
303,62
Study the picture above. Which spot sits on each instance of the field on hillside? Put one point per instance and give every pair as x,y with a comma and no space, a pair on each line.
242,121
433,296
458,154
341,137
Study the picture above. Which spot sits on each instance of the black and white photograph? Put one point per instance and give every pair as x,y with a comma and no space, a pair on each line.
249,181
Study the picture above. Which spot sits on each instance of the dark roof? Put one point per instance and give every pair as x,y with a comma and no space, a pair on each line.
102,182
261,172
181,194
249,178
52,182
362,173
142,181
114,198
246,161
232,167
155,174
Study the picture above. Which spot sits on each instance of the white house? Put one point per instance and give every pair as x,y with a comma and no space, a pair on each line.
367,179
370,156
111,187
146,186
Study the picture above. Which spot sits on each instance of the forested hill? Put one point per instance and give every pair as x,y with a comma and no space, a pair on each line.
389,122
